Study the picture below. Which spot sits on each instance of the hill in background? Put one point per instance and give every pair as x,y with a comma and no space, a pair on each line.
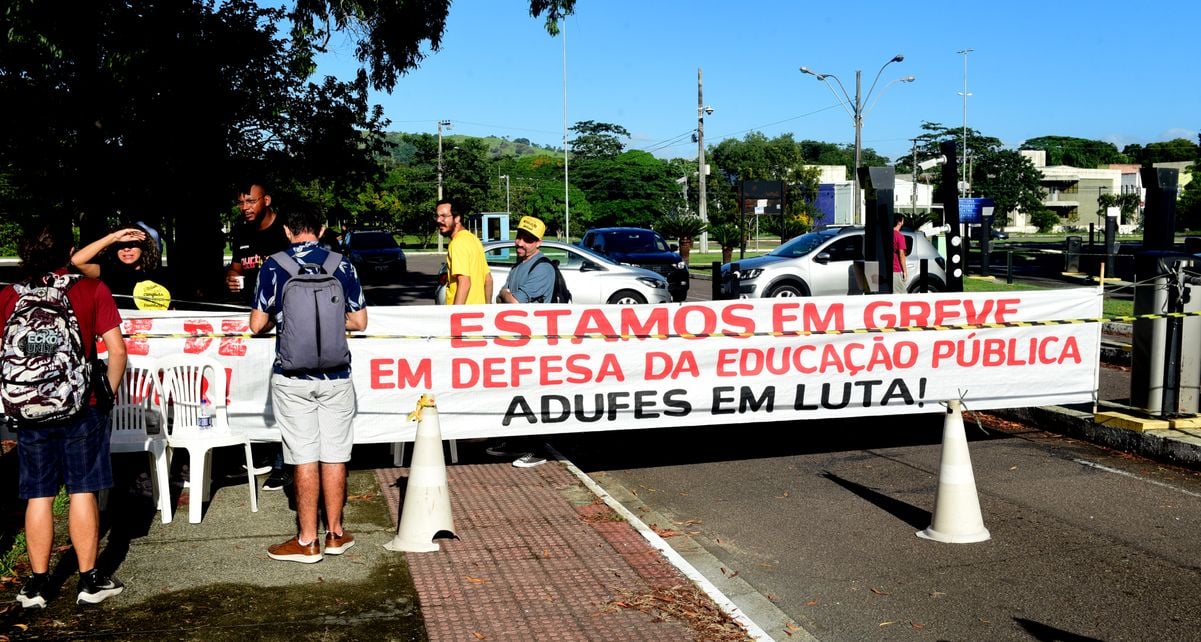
498,147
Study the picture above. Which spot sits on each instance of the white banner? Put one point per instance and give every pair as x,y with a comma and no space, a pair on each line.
509,370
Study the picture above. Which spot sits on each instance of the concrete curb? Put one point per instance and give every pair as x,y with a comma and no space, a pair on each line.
746,606
1173,446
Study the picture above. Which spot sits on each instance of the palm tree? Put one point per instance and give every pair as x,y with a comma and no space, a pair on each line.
728,236
683,227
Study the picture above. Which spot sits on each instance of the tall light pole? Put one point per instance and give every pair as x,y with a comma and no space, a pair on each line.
566,183
963,184
506,177
441,124
702,206
857,114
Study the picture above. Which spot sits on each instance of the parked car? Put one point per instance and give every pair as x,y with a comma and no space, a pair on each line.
642,248
375,254
823,263
592,278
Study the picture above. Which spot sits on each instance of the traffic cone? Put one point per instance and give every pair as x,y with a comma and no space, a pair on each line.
956,518
426,510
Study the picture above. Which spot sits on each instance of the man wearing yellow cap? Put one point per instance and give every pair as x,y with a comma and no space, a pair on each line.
531,280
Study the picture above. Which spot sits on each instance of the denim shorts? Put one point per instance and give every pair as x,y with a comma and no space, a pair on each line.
75,453
314,417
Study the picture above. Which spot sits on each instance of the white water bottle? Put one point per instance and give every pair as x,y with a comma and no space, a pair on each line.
205,420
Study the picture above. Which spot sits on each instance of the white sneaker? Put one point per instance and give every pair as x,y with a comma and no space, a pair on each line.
529,460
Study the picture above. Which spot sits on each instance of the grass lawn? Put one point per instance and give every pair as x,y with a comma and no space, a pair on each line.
1109,308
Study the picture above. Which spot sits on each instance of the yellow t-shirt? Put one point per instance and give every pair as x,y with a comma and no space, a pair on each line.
465,255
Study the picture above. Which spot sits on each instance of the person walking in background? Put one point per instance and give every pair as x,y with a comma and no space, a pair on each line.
311,390
900,267
469,280
55,451
259,235
532,280
133,271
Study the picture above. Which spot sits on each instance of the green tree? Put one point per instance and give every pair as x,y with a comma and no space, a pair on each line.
1128,202
597,140
1076,152
1172,151
546,201
1010,180
756,157
633,188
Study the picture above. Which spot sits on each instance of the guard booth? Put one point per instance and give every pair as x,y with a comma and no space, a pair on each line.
494,226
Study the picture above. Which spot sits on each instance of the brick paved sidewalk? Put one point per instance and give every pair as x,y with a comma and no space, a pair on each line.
538,557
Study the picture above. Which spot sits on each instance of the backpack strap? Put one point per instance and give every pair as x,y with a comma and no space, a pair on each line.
331,263
287,262
292,266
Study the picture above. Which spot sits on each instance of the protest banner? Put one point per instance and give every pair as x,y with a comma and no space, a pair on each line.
510,370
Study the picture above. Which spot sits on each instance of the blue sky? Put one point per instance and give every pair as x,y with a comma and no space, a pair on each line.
1122,72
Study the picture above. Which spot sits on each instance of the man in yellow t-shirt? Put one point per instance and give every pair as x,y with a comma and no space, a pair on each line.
468,278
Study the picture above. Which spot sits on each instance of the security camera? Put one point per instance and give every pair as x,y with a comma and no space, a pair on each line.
933,162
708,110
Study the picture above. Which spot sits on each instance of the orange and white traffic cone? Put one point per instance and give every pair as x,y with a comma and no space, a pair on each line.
956,518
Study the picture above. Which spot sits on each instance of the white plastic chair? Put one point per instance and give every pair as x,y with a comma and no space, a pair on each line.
183,377
136,410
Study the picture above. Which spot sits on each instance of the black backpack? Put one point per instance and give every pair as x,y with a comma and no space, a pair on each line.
561,294
313,336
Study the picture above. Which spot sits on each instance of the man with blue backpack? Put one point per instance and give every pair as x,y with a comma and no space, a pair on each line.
312,296
48,370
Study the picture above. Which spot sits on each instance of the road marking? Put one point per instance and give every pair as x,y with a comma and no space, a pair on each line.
1107,469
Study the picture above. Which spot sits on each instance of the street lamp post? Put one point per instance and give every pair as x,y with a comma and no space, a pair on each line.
506,177
441,124
963,184
857,114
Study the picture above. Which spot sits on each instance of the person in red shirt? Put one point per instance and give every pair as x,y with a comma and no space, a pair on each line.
900,267
74,452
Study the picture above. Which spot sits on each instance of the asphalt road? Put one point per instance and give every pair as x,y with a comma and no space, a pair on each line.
819,517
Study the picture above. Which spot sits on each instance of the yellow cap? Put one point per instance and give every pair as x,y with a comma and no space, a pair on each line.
532,226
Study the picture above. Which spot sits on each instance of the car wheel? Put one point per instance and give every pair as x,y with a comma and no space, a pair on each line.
932,285
627,297
785,290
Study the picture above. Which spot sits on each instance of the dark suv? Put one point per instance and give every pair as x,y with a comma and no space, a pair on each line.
375,253
641,248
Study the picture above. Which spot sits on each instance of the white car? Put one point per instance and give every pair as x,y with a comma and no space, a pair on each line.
591,277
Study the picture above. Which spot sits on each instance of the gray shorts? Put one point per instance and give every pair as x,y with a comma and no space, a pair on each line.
315,418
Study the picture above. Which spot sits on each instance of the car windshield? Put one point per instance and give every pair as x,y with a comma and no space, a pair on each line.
635,241
803,244
372,241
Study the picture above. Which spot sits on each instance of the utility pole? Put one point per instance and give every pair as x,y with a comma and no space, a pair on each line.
963,184
702,206
441,124
506,177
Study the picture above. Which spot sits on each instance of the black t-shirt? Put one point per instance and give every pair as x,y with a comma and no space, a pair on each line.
251,246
